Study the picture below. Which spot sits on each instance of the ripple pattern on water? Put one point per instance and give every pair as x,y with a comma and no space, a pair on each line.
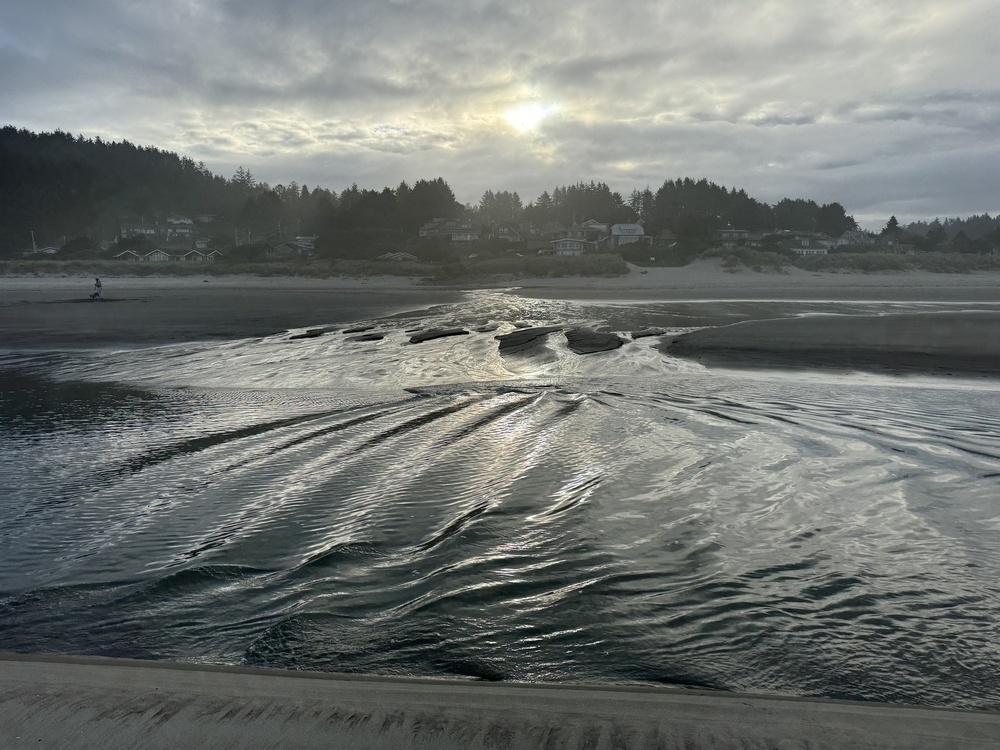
615,517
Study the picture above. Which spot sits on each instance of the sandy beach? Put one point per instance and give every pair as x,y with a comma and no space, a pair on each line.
152,310
706,280
71,702
56,311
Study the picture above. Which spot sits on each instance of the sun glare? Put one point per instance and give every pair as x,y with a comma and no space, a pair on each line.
527,116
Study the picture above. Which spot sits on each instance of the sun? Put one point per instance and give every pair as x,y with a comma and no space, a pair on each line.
528,116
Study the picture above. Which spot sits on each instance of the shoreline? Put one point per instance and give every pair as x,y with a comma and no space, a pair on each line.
702,280
45,312
65,701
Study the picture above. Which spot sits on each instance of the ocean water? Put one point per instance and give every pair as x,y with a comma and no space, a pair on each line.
445,509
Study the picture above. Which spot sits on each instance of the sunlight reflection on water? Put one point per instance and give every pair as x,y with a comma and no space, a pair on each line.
445,509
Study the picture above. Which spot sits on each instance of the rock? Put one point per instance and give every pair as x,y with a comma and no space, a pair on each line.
366,337
586,341
359,329
436,333
520,340
310,334
646,333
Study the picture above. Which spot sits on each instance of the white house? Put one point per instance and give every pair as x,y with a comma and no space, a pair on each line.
157,256
128,255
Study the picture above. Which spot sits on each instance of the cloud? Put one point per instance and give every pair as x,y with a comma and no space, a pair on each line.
819,99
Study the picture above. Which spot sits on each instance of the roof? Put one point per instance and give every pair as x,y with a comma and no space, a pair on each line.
619,230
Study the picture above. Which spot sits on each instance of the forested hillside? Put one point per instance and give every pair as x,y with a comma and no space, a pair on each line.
77,192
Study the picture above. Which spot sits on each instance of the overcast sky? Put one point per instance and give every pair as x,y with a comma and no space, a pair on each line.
889,107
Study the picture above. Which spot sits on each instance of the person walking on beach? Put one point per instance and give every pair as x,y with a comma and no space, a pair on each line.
97,290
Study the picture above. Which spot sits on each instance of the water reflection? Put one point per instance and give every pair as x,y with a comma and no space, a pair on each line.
442,509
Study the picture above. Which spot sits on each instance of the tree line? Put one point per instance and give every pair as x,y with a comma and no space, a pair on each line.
68,189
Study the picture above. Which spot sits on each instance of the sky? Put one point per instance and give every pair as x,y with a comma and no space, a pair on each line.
887,107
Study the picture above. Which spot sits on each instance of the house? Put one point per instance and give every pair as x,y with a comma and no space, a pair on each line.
570,241
506,231
595,230
35,252
128,255
178,226
157,256
854,237
193,256
210,257
625,234
398,257
307,241
201,243
569,246
131,229
453,230
803,246
733,238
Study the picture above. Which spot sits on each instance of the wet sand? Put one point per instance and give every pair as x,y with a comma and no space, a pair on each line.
74,702
56,311
945,343
706,280
47,312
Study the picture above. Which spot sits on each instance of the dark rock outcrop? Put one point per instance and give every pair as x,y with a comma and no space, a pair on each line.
647,332
436,333
519,341
587,341
310,334
366,337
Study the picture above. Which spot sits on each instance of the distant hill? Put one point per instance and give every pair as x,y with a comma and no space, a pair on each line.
60,186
